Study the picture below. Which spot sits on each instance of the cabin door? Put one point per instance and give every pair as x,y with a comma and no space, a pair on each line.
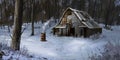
85,32
82,32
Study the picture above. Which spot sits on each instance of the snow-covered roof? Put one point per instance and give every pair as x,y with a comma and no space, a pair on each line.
83,17
60,26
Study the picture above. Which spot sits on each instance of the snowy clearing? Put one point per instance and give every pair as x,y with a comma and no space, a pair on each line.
62,48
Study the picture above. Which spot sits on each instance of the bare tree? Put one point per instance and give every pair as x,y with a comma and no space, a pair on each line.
32,17
15,45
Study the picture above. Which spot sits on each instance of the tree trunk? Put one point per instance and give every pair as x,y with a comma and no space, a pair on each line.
15,45
32,18
108,10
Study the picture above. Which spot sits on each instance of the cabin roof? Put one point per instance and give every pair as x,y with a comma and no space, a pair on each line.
61,26
83,17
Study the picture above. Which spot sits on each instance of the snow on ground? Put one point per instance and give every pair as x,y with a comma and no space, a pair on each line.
62,48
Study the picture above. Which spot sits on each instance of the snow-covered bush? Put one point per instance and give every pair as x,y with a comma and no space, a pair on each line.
112,52
23,54
4,46
95,36
108,28
10,54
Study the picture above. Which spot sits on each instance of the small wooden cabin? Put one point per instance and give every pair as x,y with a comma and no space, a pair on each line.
76,23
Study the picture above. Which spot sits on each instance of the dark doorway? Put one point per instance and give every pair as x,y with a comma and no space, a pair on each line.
81,31
85,32
72,31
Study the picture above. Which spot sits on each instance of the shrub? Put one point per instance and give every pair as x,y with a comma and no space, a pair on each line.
111,52
11,54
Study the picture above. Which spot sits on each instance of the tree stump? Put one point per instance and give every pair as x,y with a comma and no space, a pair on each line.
43,37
